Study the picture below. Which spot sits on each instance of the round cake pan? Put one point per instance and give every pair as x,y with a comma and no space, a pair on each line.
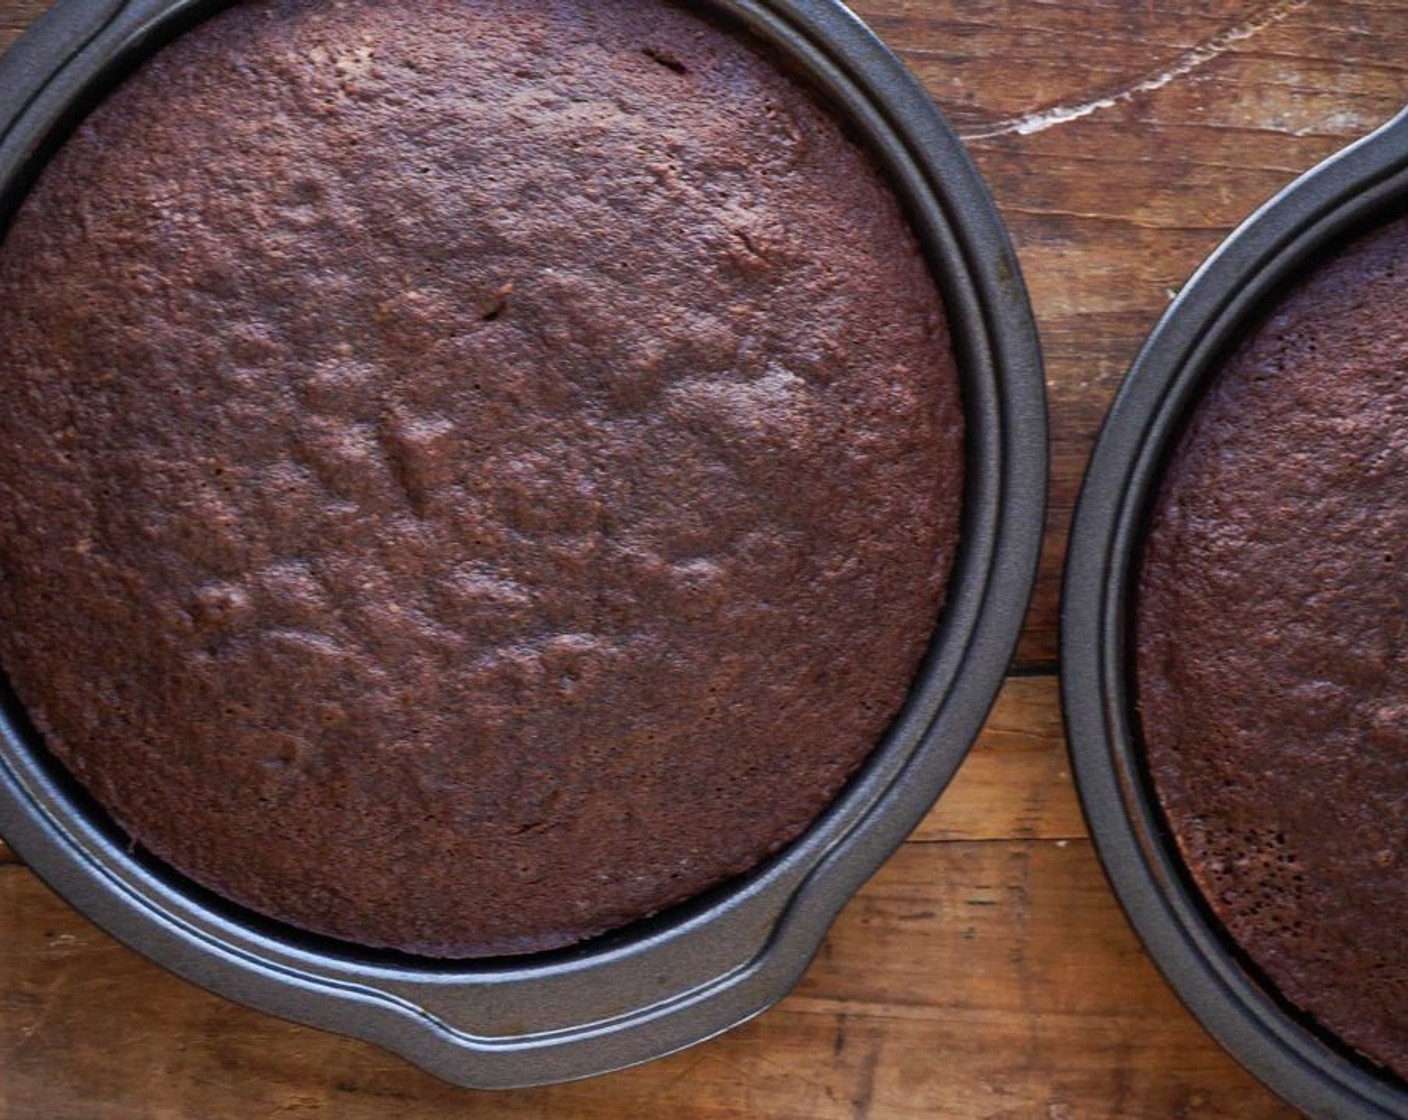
1363,184
694,971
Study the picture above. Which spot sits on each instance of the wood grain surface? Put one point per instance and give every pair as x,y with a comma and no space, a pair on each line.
986,971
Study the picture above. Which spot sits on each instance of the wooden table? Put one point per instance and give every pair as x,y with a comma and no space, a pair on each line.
986,971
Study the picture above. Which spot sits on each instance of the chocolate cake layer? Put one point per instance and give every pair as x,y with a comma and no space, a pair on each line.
472,474
1272,645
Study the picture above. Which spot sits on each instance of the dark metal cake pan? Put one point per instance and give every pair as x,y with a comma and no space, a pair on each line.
700,968
1360,186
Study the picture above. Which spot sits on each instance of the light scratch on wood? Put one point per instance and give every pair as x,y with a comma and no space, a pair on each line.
1042,119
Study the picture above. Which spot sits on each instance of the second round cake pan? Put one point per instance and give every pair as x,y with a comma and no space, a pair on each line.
1353,191
706,965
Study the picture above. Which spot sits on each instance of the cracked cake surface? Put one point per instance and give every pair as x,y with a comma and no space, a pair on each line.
472,475
1272,645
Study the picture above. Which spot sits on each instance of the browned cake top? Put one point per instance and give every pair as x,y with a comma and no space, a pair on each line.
471,474
1273,645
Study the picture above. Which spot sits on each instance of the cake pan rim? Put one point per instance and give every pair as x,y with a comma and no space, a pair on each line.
781,915
1339,196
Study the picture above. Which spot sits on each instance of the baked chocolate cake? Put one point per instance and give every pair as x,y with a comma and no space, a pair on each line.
472,474
1272,645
